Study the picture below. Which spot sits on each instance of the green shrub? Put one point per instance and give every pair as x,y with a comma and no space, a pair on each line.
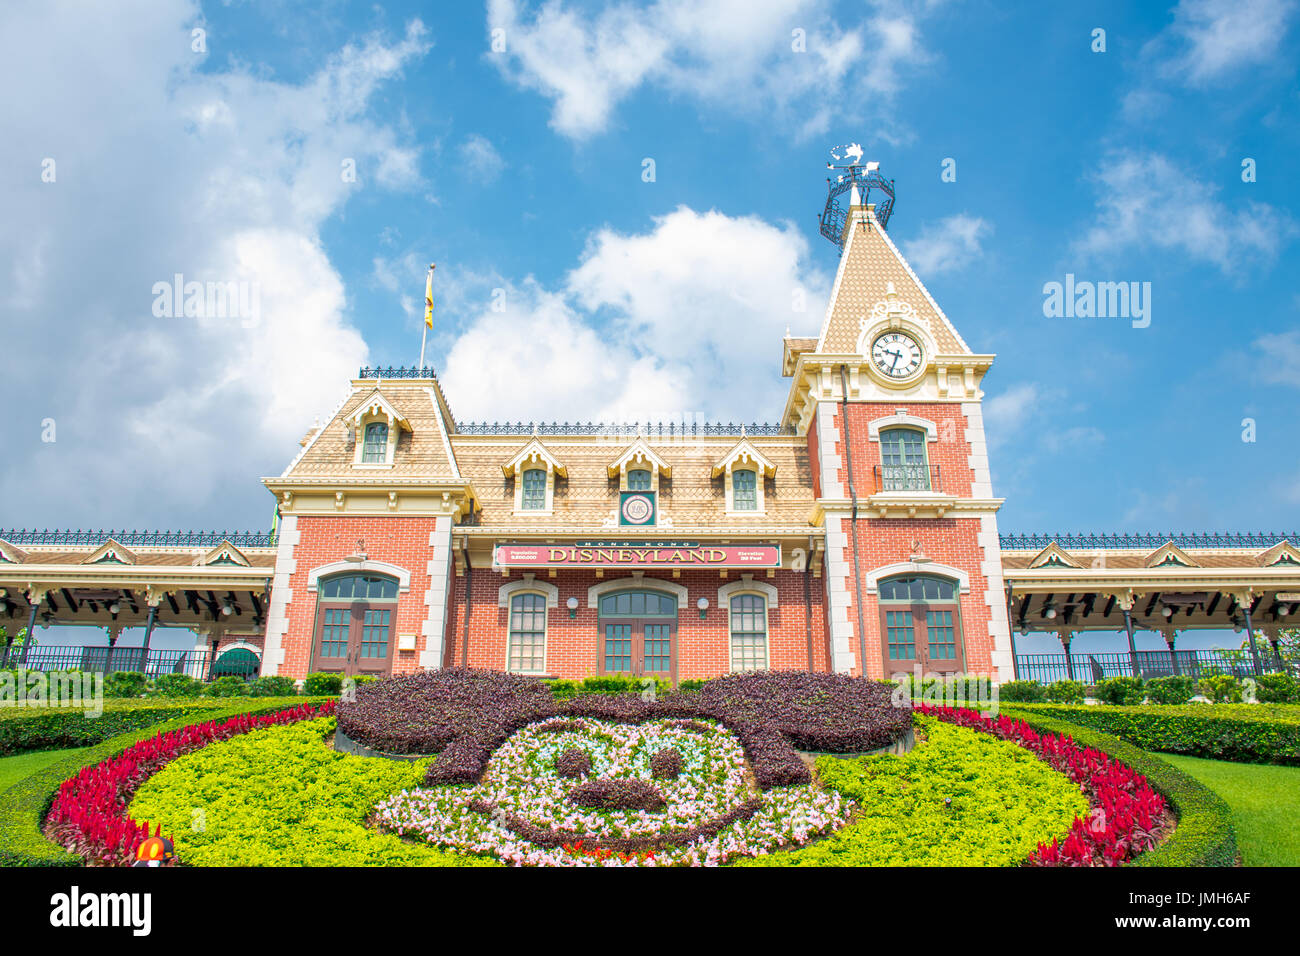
227,686
962,798
253,818
176,685
58,728
125,684
24,805
323,685
957,687
1028,691
1120,690
1221,689
272,686
1249,733
567,689
1204,835
1277,689
1176,689
1065,692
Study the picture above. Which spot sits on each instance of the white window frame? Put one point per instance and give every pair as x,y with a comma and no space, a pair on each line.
769,594
528,584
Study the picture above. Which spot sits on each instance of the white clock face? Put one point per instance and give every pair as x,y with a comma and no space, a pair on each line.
896,354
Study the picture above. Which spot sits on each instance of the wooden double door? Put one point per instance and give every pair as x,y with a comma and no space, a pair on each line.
355,638
921,634
640,646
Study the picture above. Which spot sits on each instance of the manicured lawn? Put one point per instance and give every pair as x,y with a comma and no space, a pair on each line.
1265,802
13,769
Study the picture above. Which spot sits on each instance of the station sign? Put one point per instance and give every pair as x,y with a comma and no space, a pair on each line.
640,556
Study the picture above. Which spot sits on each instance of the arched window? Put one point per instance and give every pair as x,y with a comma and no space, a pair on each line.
239,661
921,622
534,498
744,490
355,620
374,450
902,459
527,651
748,632
638,480
639,633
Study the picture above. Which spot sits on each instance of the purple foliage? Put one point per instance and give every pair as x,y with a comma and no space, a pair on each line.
464,714
666,764
573,762
620,794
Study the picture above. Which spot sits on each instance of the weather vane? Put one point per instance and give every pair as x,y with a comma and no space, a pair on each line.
851,173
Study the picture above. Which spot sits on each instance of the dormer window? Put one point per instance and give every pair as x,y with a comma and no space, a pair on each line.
534,491
745,469
744,484
534,470
639,479
373,429
375,445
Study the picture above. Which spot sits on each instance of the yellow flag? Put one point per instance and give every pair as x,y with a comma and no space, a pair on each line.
428,299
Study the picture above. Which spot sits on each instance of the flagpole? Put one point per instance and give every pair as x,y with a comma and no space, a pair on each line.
428,312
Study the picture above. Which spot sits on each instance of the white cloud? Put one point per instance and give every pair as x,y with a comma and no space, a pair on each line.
1145,200
1212,40
480,160
950,244
1283,351
645,327
735,54
220,175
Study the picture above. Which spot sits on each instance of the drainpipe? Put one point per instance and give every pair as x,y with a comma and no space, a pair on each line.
807,602
853,521
1250,638
1011,625
31,631
469,577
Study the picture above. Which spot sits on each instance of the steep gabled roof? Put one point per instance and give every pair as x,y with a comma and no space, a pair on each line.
225,553
110,552
1054,556
376,404
1284,552
534,451
741,453
869,265
1170,554
639,453
10,554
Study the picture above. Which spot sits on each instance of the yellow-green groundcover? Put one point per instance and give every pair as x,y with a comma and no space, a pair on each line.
282,797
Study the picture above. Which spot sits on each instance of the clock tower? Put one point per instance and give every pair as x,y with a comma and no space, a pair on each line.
889,397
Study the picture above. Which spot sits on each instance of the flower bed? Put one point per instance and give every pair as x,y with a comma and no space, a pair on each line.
281,797
1127,816
526,811
959,798
89,813
466,714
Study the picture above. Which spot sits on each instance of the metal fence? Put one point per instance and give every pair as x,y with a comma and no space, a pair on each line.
139,539
1249,540
1090,668
197,664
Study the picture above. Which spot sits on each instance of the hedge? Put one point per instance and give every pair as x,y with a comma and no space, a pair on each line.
58,728
24,805
1204,835
1248,733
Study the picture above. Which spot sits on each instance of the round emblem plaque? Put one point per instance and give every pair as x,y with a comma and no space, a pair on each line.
638,509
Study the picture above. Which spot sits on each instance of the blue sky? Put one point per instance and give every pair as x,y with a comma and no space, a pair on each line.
522,170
